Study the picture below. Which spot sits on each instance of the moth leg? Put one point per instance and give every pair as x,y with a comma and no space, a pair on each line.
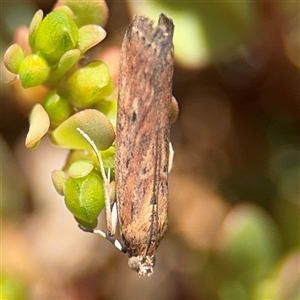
114,218
110,230
120,246
171,157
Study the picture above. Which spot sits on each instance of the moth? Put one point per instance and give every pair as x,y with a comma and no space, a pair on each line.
143,152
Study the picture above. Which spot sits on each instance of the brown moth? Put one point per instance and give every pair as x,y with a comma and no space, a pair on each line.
143,137
144,154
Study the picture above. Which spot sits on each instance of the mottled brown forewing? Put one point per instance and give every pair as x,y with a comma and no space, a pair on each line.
143,133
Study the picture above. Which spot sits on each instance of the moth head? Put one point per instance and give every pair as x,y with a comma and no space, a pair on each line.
142,265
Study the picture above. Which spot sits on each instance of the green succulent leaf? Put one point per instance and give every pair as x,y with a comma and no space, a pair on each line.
108,157
84,198
56,34
109,108
81,168
174,110
89,85
59,180
66,62
13,58
39,125
87,11
78,155
89,36
66,10
58,108
34,25
94,123
33,70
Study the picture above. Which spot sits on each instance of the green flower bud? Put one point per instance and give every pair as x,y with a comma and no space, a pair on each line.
89,85
58,108
84,198
56,34
33,70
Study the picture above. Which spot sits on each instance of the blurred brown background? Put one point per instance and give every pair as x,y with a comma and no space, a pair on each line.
234,190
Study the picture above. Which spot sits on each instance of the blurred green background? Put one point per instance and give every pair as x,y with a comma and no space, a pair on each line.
234,190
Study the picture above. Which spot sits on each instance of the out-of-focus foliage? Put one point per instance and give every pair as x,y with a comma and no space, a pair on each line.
12,288
209,31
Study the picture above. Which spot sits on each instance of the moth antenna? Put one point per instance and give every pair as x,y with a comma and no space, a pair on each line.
105,179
